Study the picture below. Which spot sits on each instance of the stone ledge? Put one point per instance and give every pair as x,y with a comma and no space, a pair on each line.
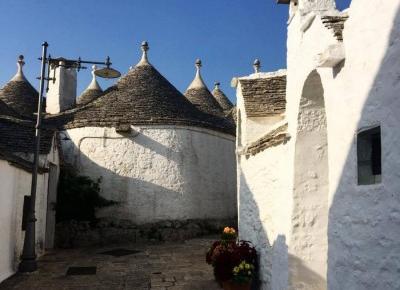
73,234
274,138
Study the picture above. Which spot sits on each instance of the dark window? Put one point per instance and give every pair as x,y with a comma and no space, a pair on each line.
369,156
27,204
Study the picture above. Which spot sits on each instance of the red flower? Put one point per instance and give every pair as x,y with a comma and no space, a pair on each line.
225,255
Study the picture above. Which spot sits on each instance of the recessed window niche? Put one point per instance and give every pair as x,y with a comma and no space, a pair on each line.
369,159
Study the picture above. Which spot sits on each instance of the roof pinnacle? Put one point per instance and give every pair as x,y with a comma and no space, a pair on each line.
256,65
198,64
145,47
94,67
94,85
198,80
19,76
217,84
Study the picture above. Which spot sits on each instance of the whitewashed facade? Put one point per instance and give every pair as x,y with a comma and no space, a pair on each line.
158,173
18,102
15,180
305,200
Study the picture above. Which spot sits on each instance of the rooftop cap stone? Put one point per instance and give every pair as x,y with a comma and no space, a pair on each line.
199,95
141,97
221,98
257,65
19,94
92,92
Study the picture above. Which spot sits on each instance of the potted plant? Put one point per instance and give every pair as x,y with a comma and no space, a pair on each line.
234,261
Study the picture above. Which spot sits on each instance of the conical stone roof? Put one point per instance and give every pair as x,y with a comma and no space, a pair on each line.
92,92
199,95
6,110
221,98
142,96
19,94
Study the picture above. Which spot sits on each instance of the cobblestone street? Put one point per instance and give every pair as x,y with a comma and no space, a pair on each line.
172,266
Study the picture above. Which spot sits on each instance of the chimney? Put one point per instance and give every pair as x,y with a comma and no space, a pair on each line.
307,6
62,91
317,6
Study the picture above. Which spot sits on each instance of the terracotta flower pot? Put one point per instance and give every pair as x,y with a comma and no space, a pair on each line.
229,285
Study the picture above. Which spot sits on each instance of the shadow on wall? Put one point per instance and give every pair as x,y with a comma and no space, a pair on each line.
274,258
364,220
137,198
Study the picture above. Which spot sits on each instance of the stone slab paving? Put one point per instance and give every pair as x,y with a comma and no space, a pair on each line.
172,266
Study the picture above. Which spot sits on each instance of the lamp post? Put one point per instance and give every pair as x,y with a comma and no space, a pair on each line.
28,258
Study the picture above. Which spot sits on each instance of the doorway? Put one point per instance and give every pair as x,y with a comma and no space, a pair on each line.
51,206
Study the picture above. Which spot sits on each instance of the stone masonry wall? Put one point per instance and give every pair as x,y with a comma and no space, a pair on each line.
158,173
109,231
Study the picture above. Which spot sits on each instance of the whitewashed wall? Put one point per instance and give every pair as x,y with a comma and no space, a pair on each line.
363,248
263,217
264,195
15,184
7,225
158,172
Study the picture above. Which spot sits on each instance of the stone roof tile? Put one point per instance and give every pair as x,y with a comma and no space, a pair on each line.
221,98
336,24
264,96
18,136
141,97
92,92
6,110
199,95
19,94
274,138
87,96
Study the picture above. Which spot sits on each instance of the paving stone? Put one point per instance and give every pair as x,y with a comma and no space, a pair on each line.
169,266
161,284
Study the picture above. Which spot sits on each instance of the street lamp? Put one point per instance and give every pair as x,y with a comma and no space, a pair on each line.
28,258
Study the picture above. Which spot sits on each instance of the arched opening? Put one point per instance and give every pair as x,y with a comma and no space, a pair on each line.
309,243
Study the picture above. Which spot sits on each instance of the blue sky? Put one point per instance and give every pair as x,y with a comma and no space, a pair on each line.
226,34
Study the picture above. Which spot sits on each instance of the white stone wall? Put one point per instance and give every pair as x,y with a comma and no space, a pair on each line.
308,244
7,225
364,248
264,198
362,235
15,184
158,172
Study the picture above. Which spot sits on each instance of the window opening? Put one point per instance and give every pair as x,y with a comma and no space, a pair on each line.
369,155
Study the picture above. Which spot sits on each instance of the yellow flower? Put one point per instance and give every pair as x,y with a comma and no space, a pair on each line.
228,230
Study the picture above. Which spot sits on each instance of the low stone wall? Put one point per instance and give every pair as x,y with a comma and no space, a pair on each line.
84,233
